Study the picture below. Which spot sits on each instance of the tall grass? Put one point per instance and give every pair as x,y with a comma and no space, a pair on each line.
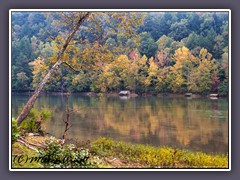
158,157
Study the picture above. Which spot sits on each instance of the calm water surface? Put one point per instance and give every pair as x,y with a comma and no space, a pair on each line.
195,124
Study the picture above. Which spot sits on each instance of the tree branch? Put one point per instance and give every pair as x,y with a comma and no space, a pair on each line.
70,67
59,61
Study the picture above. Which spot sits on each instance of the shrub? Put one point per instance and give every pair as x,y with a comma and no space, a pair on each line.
15,130
30,123
69,156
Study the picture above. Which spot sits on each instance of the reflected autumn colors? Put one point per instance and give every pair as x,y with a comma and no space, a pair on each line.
195,124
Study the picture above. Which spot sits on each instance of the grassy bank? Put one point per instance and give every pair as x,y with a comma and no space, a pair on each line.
157,157
19,149
107,153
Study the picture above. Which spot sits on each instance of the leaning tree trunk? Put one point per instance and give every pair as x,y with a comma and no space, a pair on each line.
59,61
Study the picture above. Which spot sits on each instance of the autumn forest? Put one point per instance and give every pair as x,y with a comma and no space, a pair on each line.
147,52
120,89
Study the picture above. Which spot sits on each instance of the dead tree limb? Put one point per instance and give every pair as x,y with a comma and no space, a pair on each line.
67,127
29,145
40,145
59,61
74,70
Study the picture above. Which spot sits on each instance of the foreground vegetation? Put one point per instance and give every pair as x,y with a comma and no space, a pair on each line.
19,149
107,153
158,157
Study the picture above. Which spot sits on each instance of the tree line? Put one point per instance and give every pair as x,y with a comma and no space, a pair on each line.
157,52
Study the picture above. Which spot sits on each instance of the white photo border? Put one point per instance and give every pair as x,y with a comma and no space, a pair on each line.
121,10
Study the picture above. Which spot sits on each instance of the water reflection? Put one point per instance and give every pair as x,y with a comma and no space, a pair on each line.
196,124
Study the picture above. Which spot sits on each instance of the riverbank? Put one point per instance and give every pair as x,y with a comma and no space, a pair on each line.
107,153
132,94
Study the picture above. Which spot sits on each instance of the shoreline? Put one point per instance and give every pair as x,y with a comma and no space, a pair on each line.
115,94
118,154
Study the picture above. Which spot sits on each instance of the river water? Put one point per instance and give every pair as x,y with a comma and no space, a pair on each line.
198,124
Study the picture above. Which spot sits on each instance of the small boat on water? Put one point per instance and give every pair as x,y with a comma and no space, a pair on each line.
188,94
213,98
213,95
124,93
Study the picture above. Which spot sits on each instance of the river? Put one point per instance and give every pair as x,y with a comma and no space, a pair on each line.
198,124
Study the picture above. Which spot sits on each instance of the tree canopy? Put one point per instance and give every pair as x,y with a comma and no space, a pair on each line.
144,52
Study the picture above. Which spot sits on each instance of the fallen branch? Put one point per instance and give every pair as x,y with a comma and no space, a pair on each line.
29,145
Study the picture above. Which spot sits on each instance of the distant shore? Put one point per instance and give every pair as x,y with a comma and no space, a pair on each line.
116,94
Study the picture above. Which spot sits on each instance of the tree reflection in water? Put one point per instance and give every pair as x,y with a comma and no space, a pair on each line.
196,124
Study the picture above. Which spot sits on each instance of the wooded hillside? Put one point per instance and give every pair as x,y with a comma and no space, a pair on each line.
155,52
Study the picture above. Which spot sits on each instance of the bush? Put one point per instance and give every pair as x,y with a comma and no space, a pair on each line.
30,123
69,156
15,130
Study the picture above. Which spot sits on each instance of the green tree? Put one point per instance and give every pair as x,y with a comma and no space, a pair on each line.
218,47
179,30
111,43
194,23
22,80
148,47
192,41
223,87
164,42
22,54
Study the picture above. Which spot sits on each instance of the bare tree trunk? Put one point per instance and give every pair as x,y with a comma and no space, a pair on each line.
59,61
67,127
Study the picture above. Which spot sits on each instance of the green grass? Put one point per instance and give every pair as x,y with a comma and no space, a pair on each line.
158,157
144,156
19,149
